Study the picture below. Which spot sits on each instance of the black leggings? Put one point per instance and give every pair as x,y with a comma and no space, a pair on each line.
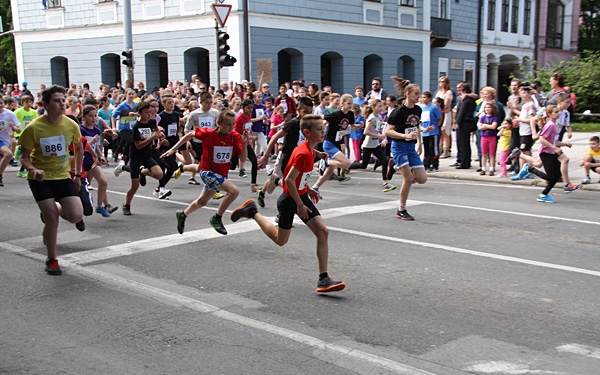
125,141
379,154
168,165
552,168
253,161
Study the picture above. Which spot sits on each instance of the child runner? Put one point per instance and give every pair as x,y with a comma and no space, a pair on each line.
141,163
298,198
405,132
219,146
25,114
44,154
591,160
549,151
340,123
356,134
243,122
371,145
8,123
487,125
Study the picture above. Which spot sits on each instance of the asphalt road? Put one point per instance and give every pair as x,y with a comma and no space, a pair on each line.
485,281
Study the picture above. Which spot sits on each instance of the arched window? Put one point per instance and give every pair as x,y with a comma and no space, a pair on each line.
59,70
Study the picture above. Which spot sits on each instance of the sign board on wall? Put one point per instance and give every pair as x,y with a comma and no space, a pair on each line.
455,64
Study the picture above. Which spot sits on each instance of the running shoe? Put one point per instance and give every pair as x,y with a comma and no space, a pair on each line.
545,198
192,181
322,166
80,226
118,169
530,176
391,170
342,173
247,209
164,193
388,187
571,187
22,174
586,180
260,198
52,267
142,177
272,184
126,210
217,223
515,153
13,163
243,173
111,209
156,192
254,188
522,173
102,211
178,171
404,215
327,285
218,196
344,179
180,221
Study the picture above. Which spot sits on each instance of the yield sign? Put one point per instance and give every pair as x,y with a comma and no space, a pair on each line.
222,12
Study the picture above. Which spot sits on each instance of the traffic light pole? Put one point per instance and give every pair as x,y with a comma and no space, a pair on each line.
217,54
128,40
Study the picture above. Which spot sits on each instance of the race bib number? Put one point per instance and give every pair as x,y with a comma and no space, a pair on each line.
259,112
145,133
53,146
340,134
425,116
3,125
285,107
89,139
222,154
301,138
410,130
304,180
128,120
171,130
205,122
248,125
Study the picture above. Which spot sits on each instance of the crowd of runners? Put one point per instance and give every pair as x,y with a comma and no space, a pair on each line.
67,135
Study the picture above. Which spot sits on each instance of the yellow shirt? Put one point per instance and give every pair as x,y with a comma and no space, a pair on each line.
504,142
25,117
49,145
595,155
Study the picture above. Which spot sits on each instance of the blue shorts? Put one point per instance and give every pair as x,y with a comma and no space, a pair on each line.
3,144
404,153
212,180
331,149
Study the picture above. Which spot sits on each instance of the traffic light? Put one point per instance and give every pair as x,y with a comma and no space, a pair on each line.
223,50
128,58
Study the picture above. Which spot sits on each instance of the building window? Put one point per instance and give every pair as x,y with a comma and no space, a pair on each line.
554,29
526,17
373,12
514,24
407,3
491,15
505,13
444,9
52,4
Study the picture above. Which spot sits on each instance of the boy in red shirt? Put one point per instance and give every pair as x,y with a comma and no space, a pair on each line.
298,198
218,147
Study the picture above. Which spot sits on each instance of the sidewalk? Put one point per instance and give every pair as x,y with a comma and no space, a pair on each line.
580,143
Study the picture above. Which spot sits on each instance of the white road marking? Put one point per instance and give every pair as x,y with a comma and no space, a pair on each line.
505,368
170,298
587,351
465,251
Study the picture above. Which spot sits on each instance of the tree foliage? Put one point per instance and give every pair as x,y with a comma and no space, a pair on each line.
582,76
8,63
589,28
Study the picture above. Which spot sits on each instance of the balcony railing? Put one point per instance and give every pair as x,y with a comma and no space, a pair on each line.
441,31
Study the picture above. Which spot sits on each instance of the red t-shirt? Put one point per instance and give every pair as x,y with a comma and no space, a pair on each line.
303,159
242,122
218,149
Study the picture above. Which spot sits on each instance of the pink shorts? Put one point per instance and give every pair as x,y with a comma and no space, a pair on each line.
488,145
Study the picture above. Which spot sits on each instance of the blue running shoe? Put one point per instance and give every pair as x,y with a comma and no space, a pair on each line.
102,211
545,198
530,176
522,173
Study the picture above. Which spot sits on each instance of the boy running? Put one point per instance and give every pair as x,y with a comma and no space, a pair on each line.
298,198
218,147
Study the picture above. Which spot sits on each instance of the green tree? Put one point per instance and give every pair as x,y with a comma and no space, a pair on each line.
8,63
589,28
582,76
